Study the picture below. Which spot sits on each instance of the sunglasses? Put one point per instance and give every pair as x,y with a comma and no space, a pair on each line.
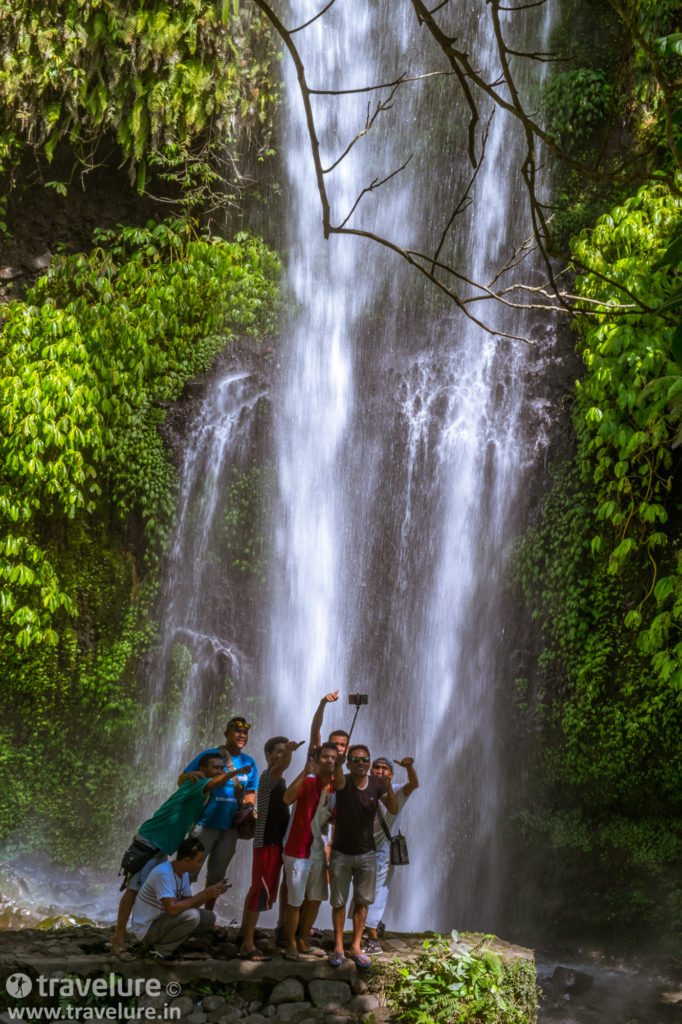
358,760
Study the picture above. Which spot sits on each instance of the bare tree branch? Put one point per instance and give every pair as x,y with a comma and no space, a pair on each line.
299,28
375,184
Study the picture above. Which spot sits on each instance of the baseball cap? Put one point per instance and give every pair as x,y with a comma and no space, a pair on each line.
383,760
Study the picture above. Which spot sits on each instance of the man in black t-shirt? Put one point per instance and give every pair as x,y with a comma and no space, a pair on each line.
353,856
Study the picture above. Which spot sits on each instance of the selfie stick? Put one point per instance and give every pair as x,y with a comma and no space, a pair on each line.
350,732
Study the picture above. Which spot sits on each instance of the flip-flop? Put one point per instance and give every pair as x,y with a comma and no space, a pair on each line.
255,956
361,961
335,959
295,957
312,951
121,952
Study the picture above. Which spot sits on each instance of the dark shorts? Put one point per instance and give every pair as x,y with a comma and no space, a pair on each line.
265,875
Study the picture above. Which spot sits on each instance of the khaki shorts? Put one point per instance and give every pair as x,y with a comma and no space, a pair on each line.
361,870
296,871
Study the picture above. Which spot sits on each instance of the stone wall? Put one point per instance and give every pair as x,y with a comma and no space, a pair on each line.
208,984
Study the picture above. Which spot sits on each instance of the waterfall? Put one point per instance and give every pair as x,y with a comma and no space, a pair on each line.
402,445
402,438
201,653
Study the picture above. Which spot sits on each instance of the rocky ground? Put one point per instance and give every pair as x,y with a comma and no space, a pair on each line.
207,983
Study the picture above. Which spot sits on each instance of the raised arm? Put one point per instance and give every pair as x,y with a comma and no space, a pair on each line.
280,766
412,781
219,780
292,791
339,777
389,799
316,724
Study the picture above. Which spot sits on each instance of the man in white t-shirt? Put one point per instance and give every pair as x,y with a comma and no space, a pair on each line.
165,911
383,768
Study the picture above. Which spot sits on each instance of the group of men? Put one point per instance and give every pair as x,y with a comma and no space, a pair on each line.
325,831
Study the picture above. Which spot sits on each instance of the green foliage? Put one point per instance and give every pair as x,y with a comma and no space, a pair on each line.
575,106
87,496
148,74
450,983
603,577
242,531
98,342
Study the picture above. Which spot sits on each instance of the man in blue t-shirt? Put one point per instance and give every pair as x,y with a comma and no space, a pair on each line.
215,828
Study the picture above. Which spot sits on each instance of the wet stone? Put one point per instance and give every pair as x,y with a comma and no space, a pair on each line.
198,1017
568,980
288,991
254,1018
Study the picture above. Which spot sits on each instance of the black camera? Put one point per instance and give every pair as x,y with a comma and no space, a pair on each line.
357,698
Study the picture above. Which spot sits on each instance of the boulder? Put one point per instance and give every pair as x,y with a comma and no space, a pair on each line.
363,1004
292,1011
330,995
288,991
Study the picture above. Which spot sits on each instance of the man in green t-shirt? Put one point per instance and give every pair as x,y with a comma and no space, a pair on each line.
163,833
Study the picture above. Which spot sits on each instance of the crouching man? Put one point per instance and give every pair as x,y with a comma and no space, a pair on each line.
354,856
165,912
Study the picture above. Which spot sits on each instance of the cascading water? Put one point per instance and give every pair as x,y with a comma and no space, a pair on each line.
402,440
200,635
402,444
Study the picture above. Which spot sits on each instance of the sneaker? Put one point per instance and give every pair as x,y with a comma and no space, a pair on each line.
154,954
371,946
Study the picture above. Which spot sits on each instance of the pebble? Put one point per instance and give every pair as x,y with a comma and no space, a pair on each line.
225,1015
212,1003
185,1004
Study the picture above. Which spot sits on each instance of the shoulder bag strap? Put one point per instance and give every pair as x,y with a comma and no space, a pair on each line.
238,788
382,822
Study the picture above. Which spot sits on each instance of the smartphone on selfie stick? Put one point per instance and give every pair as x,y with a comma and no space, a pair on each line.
356,699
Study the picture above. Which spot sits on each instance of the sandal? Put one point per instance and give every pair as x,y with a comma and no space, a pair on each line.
255,956
335,959
361,961
295,957
121,951
312,951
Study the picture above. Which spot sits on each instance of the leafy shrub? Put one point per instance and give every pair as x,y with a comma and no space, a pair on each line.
452,984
